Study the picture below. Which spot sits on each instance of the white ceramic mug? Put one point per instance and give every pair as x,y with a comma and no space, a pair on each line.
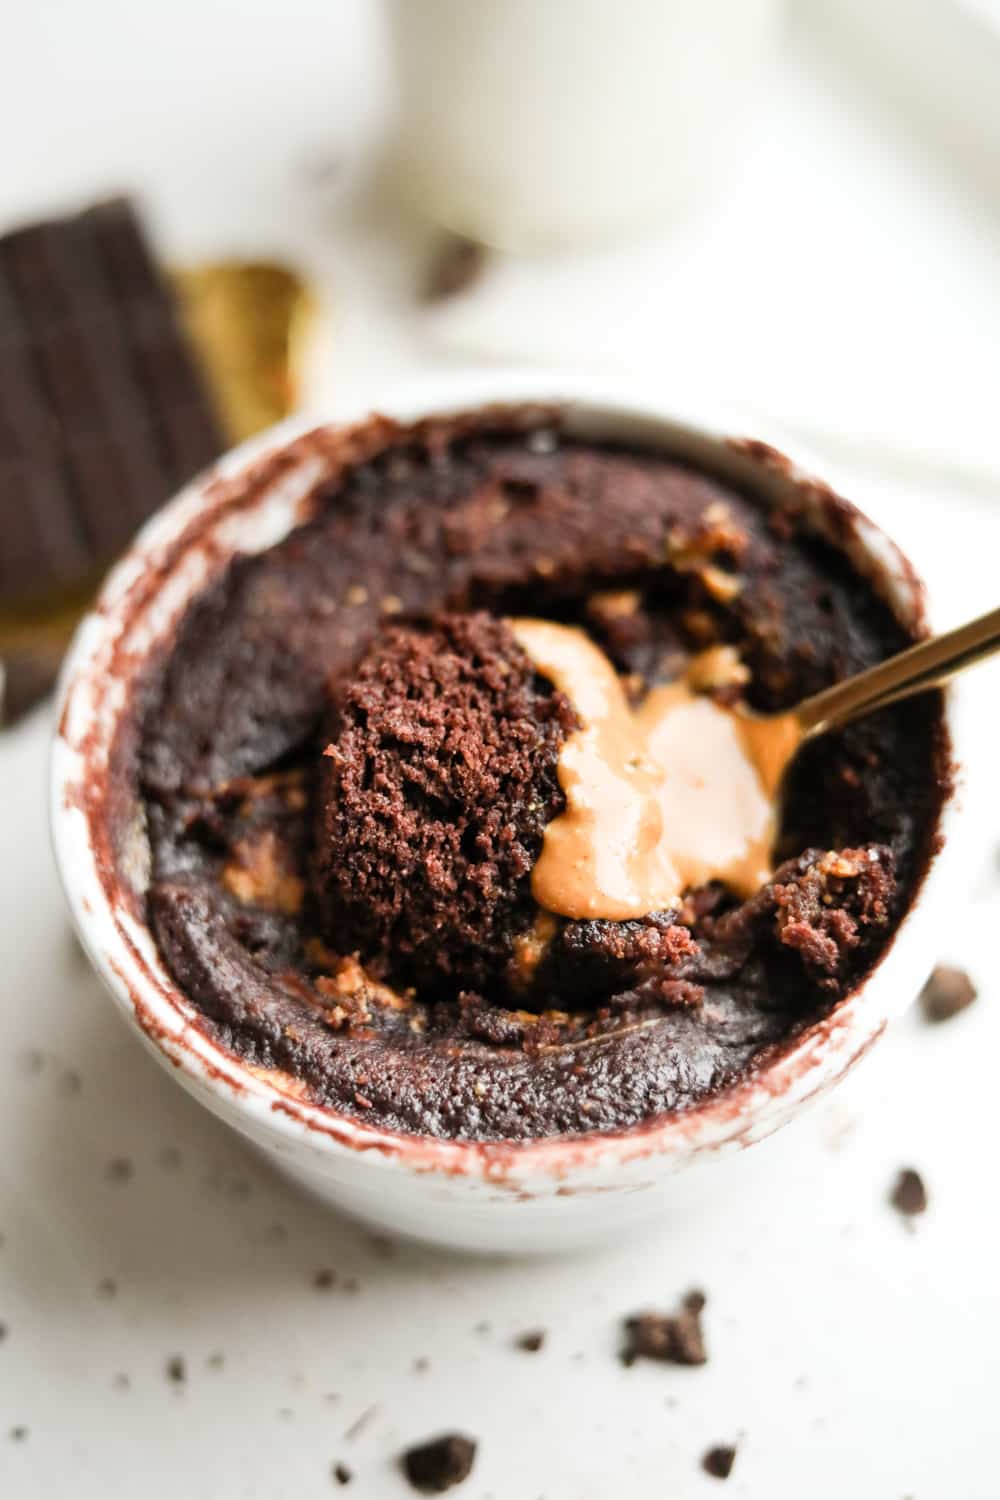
526,122
540,1195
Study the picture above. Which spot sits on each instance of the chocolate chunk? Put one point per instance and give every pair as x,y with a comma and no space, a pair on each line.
176,1369
435,1466
719,1462
93,435
119,1169
909,1195
27,677
456,265
946,993
675,1339
531,1342
342,1474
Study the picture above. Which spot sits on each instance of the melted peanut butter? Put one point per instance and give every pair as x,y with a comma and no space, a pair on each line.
659,799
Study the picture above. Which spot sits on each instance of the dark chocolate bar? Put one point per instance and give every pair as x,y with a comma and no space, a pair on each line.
103,410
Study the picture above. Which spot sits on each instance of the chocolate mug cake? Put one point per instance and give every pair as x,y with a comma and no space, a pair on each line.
369,760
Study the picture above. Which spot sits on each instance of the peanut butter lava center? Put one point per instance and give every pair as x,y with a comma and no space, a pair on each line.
660,798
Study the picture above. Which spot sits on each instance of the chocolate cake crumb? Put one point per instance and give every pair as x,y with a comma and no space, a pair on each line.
909,1195
176,1369
674,1339
18,1434
436,1466
437,782
948,992
324,1280
719,1462
119,1169
107,1288
342,1474
823,907
532,1341
456,264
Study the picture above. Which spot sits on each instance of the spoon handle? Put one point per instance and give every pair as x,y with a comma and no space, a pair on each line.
926,665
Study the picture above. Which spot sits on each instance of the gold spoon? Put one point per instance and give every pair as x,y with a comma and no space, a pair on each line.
774,739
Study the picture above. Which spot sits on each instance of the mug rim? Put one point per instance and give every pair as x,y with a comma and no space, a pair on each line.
92,699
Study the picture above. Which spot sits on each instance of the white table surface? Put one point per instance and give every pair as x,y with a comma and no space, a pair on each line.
849,1353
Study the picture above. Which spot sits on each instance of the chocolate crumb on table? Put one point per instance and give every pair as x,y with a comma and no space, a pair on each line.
948,992
119,1169
436,1466
342,1474
675,1339
176,1369
18,1434
909,1195
532,1341
324,1280
457,263
719,1462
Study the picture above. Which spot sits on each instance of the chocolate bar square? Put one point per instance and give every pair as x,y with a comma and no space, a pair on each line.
103,409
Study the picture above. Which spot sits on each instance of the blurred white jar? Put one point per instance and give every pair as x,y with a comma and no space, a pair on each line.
531,122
